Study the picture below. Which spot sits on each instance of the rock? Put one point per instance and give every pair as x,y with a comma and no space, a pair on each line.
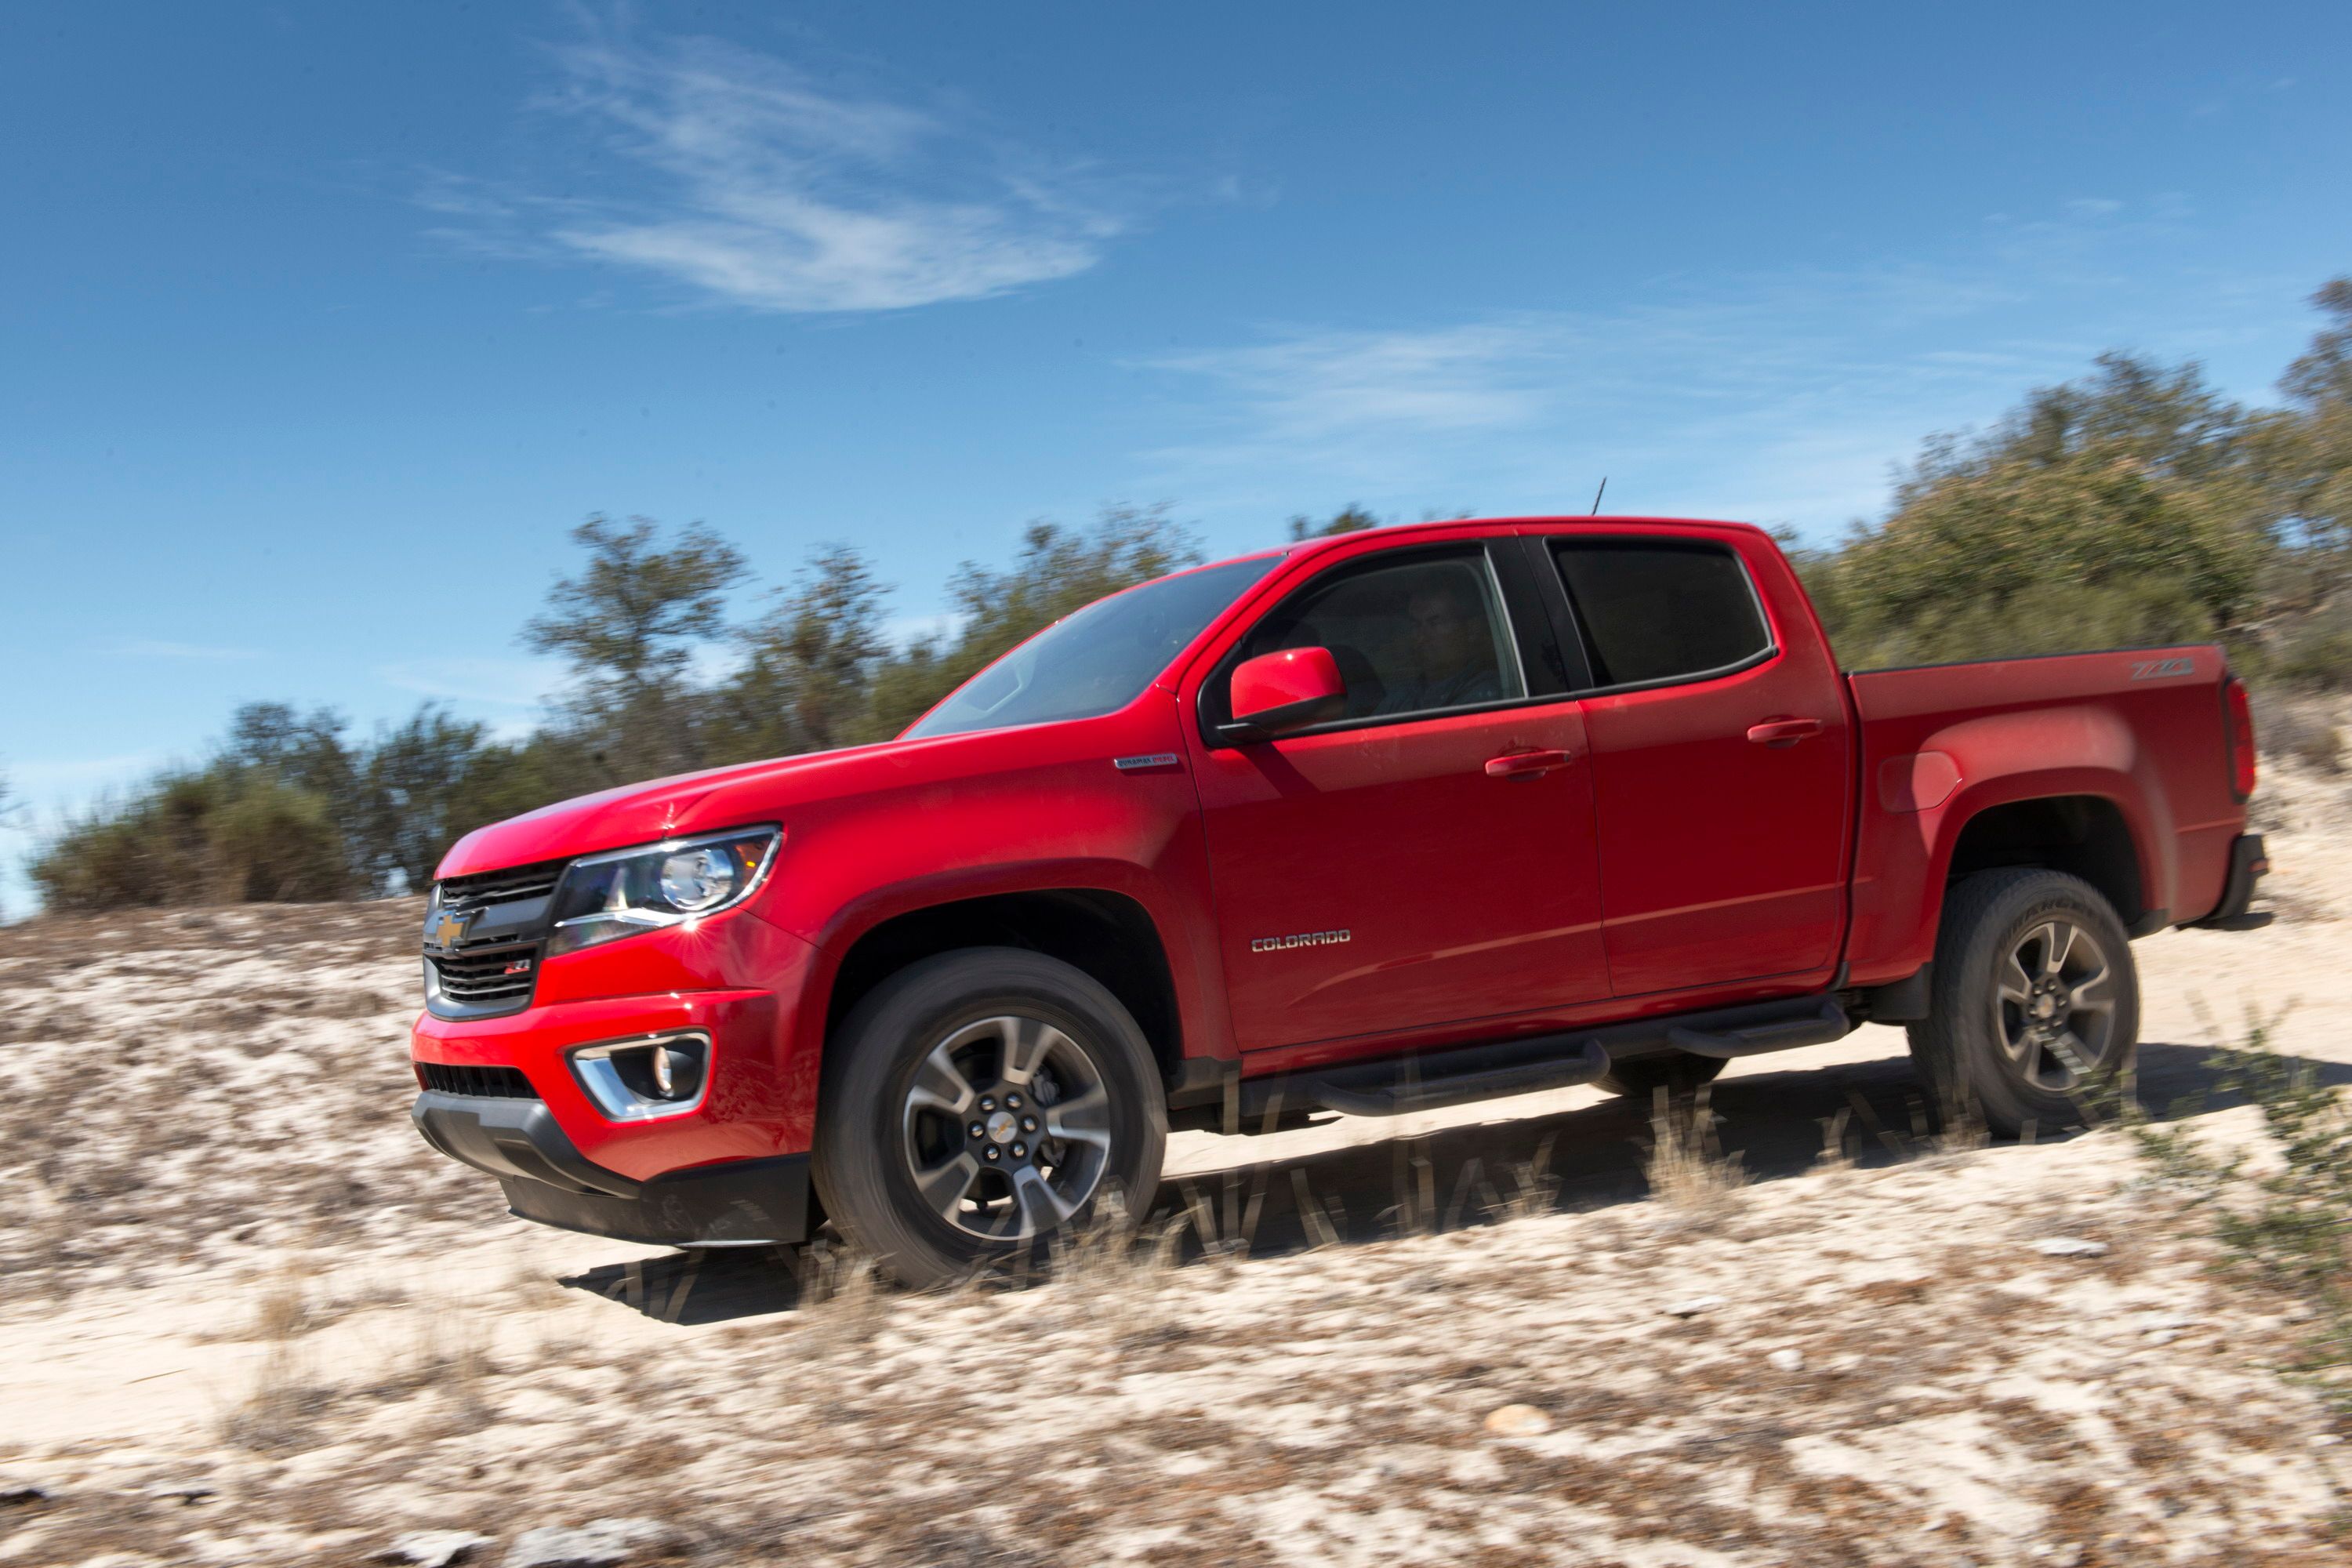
2162,1336
1787,1360
184,1493
599,1543
2070,1247
1518,1421
16,1493
434,1548
2160,1322
1694,1306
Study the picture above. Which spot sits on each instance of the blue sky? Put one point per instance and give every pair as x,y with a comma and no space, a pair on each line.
321,325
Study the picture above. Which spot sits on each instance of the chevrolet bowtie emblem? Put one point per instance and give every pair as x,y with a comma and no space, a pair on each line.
450,930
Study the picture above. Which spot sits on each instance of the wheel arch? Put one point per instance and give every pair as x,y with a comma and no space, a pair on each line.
1105,934
2084,835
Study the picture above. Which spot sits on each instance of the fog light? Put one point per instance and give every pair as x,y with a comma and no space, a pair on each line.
639,1079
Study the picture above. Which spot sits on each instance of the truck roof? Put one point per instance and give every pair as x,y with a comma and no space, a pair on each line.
1460,524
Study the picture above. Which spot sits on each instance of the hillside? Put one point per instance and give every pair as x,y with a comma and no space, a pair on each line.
247,1317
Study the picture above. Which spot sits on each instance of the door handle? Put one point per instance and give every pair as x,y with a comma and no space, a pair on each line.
1783,732
1527,764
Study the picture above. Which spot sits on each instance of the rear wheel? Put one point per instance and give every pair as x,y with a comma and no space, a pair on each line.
980,1103
1679,1073
2034,1012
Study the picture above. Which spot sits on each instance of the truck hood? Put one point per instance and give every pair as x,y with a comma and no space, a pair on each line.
646,813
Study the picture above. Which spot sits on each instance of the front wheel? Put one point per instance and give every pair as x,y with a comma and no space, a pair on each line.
2035,1009
981,1103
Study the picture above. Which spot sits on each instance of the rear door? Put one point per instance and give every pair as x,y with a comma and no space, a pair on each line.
1428,857
1722,756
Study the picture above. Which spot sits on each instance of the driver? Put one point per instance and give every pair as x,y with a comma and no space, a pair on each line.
1451,646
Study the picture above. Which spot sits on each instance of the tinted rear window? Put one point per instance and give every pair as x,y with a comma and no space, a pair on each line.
1659,609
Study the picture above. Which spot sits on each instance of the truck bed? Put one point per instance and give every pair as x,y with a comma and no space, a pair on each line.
2131,744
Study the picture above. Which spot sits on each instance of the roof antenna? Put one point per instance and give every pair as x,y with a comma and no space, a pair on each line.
1599,493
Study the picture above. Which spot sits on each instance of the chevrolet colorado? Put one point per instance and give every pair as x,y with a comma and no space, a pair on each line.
1371,824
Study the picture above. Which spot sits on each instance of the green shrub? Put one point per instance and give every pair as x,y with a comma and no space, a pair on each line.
2316,651
2292,1230
1997,554
195,838
270,843
2038,619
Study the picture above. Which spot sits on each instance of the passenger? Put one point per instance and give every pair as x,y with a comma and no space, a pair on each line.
1454,648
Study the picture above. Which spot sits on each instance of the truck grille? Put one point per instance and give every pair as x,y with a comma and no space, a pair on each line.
484,1083
486,888
484,936
492,972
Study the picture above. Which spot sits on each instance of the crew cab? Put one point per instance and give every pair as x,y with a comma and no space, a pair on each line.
1373,822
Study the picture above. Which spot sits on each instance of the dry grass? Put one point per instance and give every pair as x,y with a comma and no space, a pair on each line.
289,1402
1686,1167
279,1404
843,1302
1331,1406
284,1312
2304,729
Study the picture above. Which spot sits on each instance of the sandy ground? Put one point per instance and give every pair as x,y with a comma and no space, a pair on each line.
232,1270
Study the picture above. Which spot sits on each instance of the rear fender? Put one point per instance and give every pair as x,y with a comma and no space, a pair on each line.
1909,834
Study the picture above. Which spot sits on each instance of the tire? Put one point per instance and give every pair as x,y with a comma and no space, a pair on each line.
1012,1044
2034,1042
1679,1073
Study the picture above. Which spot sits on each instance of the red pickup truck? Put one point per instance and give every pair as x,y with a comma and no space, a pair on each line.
1371,824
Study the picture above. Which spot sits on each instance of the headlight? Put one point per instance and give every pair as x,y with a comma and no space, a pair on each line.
699,880
611,895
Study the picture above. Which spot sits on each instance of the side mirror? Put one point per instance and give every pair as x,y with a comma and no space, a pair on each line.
1282,690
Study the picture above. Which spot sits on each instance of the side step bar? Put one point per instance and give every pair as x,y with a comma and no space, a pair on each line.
1826,1025
1458,1089
1435,1080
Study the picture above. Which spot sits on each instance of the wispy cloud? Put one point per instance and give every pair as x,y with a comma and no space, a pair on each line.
1322,385
744,179
498,682
1781,396
905,631
1756,408
146,649
40,778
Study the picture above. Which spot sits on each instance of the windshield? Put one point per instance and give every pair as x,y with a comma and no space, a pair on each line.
1096,660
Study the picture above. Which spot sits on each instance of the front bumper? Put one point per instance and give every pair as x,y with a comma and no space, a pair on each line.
734,1202
730,1170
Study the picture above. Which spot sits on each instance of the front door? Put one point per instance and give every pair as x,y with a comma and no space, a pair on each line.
1429,856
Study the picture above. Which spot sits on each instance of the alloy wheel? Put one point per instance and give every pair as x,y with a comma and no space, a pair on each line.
2055,1006
1006,1128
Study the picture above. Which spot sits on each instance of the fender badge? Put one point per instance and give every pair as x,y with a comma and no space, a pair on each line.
1138,764
1304,939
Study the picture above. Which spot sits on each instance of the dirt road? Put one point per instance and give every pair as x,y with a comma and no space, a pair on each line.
234,1269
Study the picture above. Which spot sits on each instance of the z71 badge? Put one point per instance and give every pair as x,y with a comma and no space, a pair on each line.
2157,668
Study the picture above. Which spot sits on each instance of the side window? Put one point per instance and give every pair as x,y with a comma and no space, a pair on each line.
1654,609
1417,636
